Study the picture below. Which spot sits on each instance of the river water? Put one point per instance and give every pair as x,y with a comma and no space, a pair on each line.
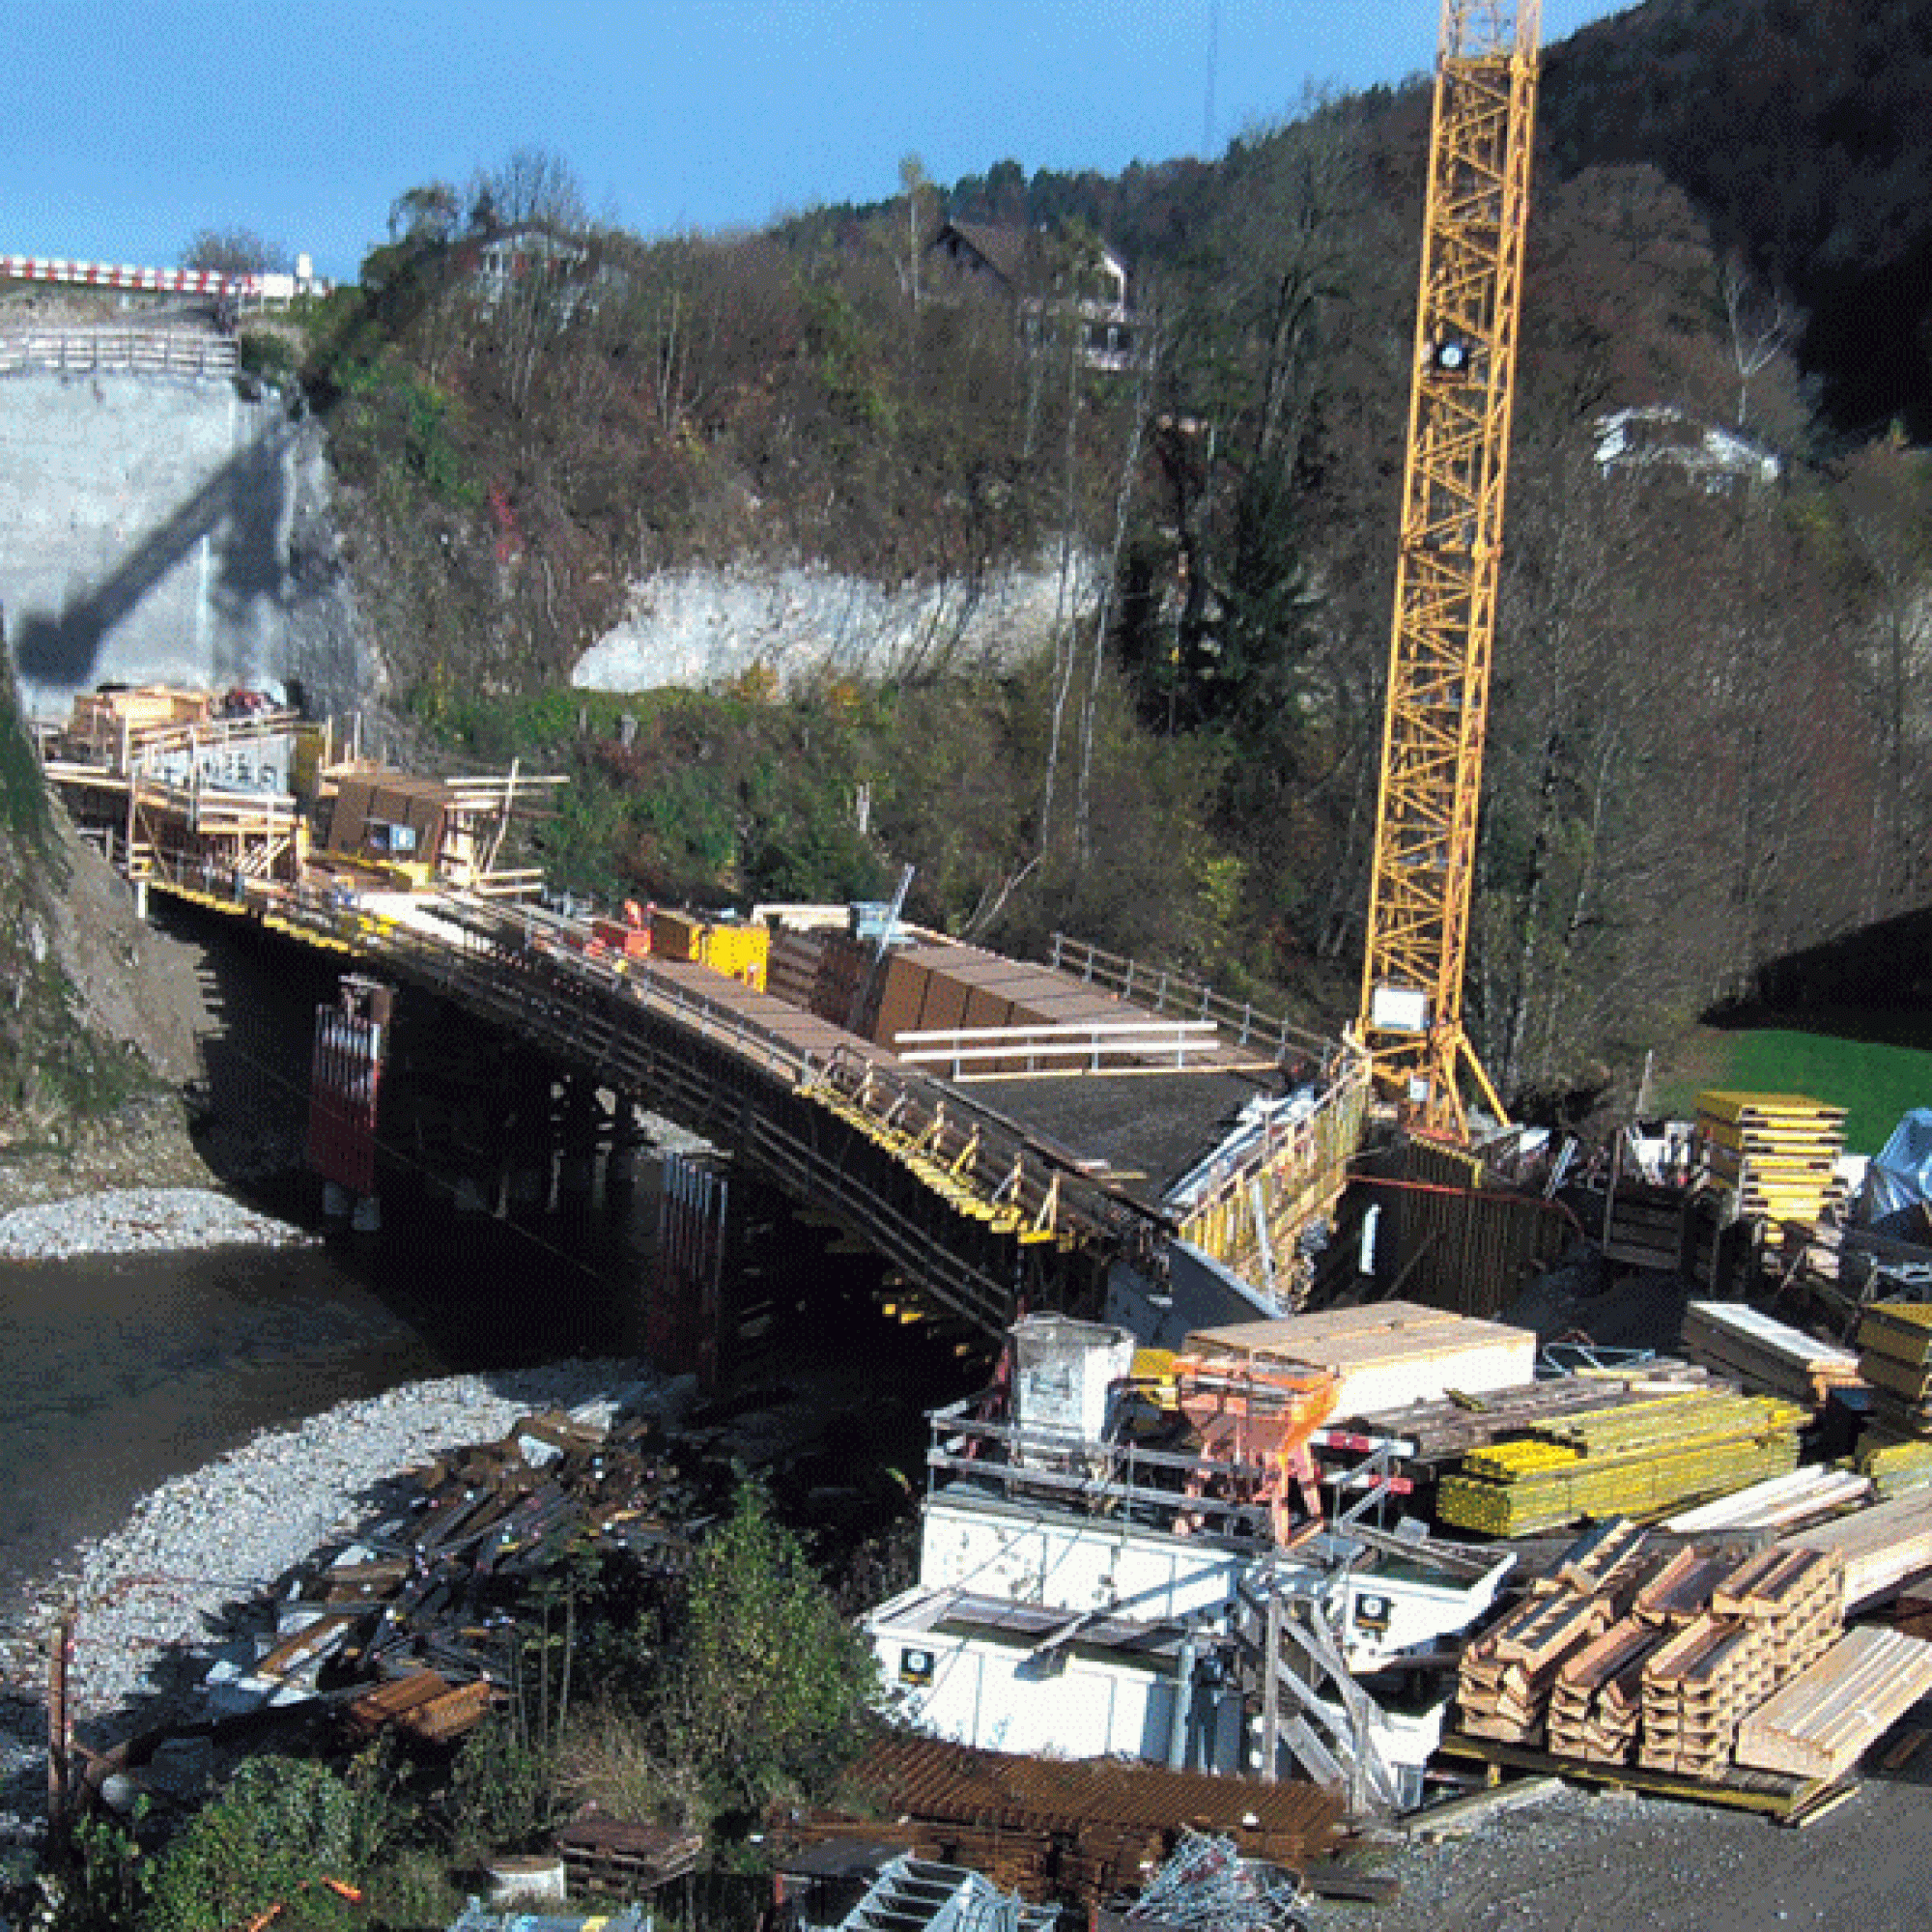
117,1373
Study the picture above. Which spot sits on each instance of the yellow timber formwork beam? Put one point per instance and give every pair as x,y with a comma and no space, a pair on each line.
1448,564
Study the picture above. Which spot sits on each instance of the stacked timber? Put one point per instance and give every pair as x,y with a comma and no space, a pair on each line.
1440,1430
1634,1460
1508,1675
1697,1685
1809,1494
1881,1547
1824,1720
1769,1357
1774,1156
1795,1597
1596,1703
1629,1657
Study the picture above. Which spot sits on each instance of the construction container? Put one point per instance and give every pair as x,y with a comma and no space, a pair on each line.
740,952
1385,1356
674,935
1064,1376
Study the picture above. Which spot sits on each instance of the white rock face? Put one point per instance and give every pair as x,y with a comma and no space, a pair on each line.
700,627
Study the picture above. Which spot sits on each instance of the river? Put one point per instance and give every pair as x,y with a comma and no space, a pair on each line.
117,1373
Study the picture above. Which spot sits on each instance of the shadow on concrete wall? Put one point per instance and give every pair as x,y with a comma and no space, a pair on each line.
241,506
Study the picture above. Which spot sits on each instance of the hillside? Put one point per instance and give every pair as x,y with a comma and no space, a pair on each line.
1707,744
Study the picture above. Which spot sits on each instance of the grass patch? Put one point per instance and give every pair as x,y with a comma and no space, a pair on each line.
1874,1082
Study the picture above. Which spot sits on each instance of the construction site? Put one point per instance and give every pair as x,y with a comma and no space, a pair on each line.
1292,1511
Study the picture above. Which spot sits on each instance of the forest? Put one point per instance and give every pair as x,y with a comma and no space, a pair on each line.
1707,734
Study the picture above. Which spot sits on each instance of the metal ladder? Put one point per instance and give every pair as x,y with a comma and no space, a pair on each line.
920,1895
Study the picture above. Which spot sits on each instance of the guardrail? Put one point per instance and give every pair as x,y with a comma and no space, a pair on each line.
1168,992
1246,1205
1074,1046
160,351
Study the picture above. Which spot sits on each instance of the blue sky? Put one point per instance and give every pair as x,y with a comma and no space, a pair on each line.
125,126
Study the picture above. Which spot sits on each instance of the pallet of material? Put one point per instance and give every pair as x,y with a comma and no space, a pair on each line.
1449,1427
1637,1460
1882,1547
1389,1354
1765,1354
1805,1496
1825,1719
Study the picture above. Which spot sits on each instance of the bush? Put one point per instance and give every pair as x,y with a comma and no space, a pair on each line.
281,1828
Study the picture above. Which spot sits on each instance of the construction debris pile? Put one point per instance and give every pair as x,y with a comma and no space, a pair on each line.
420,1606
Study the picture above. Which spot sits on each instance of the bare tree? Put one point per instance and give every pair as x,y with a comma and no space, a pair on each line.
233,251
1763,323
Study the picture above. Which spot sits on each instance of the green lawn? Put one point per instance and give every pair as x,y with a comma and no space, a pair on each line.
1876,1083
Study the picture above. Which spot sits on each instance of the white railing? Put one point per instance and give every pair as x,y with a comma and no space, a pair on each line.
1071,1047
157,352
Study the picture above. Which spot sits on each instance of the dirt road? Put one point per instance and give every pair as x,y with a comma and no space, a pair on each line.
1589,1862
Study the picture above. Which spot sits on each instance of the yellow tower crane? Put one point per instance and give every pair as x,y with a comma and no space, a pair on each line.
1446,575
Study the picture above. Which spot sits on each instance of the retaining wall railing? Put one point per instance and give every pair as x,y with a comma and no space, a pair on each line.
155,351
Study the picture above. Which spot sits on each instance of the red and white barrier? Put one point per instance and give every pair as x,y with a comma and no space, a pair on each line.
163,281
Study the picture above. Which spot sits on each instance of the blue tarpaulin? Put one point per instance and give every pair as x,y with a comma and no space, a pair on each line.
1899,1181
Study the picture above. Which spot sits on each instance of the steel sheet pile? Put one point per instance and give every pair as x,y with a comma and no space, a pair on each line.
1636,1458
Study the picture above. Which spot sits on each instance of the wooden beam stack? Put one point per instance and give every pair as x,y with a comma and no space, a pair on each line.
1696,1686
1506,1675
1825,1720
1774,1154
1596,1702
1768,1356
1634,1460
1622,1658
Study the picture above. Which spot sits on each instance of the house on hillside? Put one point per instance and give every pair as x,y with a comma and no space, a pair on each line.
533,255
1662,436
1046,277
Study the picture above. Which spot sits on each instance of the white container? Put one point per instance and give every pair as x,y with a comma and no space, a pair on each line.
1063,1375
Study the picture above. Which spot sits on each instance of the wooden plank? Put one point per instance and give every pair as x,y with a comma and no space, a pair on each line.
1825,1719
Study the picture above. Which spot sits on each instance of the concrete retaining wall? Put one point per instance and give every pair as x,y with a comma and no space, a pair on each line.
169,529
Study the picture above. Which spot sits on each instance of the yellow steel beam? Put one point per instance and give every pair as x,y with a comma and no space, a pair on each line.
1447,570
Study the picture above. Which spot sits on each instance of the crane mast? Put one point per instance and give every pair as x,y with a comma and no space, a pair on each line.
1448,564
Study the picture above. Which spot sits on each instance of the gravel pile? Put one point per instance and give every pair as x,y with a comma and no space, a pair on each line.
139,1220
166,1587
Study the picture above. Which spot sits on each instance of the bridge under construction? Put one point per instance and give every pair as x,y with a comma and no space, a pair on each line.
1006,1134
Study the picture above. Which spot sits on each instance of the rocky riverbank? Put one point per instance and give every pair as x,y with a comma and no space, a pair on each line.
155,1600
139,1220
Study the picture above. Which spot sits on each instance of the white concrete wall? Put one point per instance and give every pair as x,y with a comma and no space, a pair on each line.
167,529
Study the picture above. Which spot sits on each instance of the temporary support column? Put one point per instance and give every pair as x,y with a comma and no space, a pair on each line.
682,1327
345,1078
